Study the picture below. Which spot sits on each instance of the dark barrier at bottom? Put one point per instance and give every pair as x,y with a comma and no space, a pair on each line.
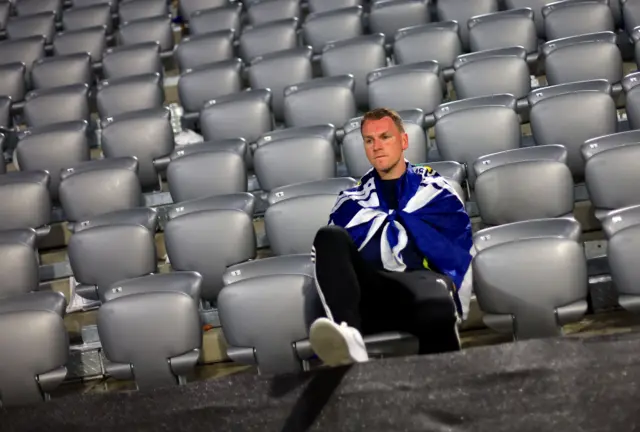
546,385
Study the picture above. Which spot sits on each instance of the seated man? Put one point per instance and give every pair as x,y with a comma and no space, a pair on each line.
395,253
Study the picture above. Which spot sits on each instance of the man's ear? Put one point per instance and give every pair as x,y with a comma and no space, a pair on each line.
405,141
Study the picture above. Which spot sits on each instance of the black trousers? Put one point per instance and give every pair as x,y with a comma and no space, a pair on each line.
374,301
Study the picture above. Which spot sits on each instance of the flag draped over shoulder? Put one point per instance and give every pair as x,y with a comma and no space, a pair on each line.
430,214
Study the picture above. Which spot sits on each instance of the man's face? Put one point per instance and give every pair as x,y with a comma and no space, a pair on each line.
384,144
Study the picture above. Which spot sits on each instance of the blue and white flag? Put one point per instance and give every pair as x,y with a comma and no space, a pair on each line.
429,209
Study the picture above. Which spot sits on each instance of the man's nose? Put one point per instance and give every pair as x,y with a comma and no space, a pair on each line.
377,145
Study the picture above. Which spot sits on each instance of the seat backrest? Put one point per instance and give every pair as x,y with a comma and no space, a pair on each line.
145,135
208,242
294,160
267,315
326,131
503,30
204,48
5,120
18,266
44,107
188,7
536,178
320,101
593,114
216,19
33,343
497,71
130,10
357,56
25,51
123,95
127,326
437,41
536,6
31,7
155,29
204,174
632,93
319,187
25,200
581,58
186,282
5,11
243,115
406,87
98,187
233,145
242,201
389,16
12,81
320,28
551,287
267,38
200,84
102,255
89,40
265,11
276,71
53,148
86,3
461,11
129,60
576,17
330,5
610,171
40,24
60,71
623,230
355,157
291,225
458,123
82,18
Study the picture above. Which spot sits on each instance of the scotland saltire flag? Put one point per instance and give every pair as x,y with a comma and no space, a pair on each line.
430,215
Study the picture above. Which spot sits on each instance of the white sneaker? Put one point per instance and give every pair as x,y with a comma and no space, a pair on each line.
337,344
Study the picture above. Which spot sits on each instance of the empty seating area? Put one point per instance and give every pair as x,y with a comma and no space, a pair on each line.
530,108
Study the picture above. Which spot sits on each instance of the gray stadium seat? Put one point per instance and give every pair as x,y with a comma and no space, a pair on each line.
536,178
320,101
31,7
53,148
200,84
25,51
318,187
631,14
267,38
146,135
536,6
323,27
496,71
18,263
41,24
389,16
60,71
357,57
276,71
632,93
189,283
264,11
5,122
353,145
458,124
216,19
576,17
242,201
44,107
12,81
87,3
143,216
90,40
206,173
131,10
329,5
188,7
35,348
129,326
503,30
88,17
552,287
461,11
98,187
129,60
242,115
155,29
581,58
204,48
208,241
123,95
621,228
405,87
610,172
570,114
25,201
326,131
437,41
300,264
234,145
287,161
5,10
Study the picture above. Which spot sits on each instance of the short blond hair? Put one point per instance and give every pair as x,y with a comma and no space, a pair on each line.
379,114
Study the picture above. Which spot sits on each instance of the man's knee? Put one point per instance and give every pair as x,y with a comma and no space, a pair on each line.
330,237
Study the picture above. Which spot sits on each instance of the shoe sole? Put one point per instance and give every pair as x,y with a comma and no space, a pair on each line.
329,344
